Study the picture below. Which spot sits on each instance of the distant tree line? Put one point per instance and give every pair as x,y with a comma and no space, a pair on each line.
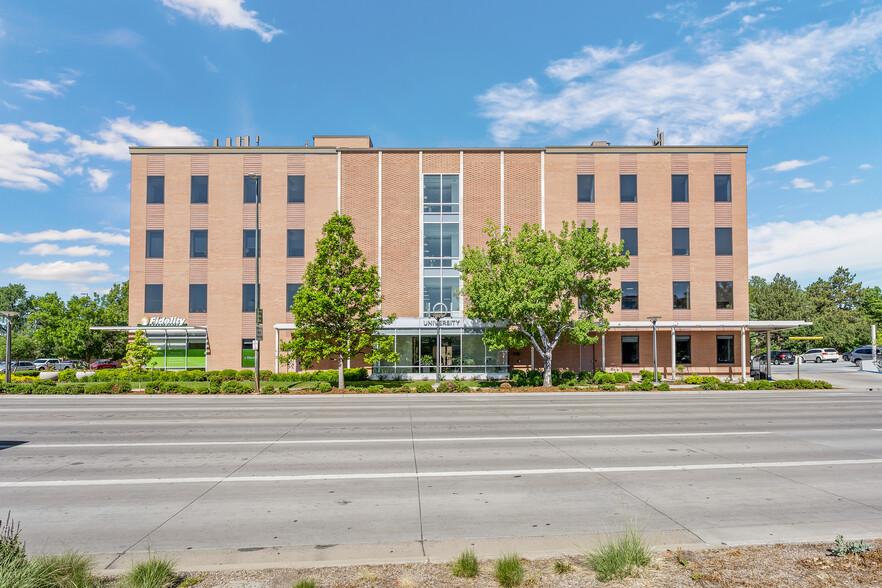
47,326
840,309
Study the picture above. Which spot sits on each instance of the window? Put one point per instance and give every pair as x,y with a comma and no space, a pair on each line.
251,190
444,290
629,241
724,295
198,298
441,242
679,241
725,348
154,244
722,188
630,349
249,248
295,242
199,243
296,188
723,237
679,188
155,189
681,295
198,189
441,193
248,353
628,188
629,296
585,188
683,349
248,298
291,292
153,298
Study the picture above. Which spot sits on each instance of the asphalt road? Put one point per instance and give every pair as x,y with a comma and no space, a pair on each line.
260,479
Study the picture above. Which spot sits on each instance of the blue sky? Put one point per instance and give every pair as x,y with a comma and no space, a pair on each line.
797,81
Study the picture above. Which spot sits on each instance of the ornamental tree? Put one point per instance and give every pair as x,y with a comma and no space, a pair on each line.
527,286
337,309
139,352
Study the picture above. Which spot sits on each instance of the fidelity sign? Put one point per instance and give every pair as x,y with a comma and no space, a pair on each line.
163,321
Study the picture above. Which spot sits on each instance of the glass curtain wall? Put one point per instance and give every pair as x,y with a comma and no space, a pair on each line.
462,352
177,350
441,243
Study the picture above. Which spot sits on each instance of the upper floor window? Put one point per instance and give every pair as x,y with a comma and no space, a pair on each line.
441,193
679,188
198,189
155,244
153,298
585,191
295,242
198,298
251,189
248,304
723,238
680,241
440,244
296,188
629,241
628,188
249,246
198,243
681,295
630,296
290,292
723,188
155,189
725,298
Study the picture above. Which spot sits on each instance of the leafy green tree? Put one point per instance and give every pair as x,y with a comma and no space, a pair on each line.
782,299
834,307
337,309
15,297
139,352
528,286
47,320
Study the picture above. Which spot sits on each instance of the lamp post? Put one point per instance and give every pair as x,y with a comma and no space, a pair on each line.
8,366
258,312
653,320
438,315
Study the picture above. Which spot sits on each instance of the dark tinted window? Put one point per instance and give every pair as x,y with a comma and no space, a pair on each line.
251,189
198,189
296,188
681,295
155,189
629,296
153,298
683,349
249,247
725,349
628,188
679,188
199,243
291,293
629,241
723,238
154,243
630,349
295,242
247,297
198,298
680,241
586,188
724,295
723,188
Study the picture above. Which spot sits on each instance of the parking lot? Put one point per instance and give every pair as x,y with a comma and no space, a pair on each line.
842,374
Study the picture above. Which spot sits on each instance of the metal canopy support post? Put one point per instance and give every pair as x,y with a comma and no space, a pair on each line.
603,352
743,356
277,349
673,352
769,354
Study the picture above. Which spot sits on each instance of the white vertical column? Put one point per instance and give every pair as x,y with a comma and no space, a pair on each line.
461,208
673,353
420,201
603,352
501,189
339,182
380,219
277,348
542,188
743,357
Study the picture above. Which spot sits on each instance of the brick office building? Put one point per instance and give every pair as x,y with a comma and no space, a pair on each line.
681,211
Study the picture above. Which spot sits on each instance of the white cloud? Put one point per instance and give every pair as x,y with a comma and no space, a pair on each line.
123,38
792,164
748,19
591,60
44,249
64,271
813,248
102,238
98,179
865,166
114,140
38,88
853,181
9,106
22,168
209,65
721,94
224,13
802,184
727,10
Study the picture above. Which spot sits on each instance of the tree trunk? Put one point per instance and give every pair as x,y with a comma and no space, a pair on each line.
340,383
546,377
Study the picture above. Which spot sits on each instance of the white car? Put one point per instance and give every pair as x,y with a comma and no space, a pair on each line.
45,362
820,355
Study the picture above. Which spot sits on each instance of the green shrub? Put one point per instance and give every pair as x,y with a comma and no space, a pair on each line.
69,570
532,378
730,386
324,387
822,385
227,374
67,376
306,583
376,389
623,377
842,547
563,378
424,388
609,386
585,378
509,570
406,389
463,387
446,386
644,385
758,385
663,387
619,557
235,387
154,572
519,377
692,379
245,375
562,567
646,375
465,565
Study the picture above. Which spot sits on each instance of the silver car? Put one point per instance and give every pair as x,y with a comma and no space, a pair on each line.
862,354
819,355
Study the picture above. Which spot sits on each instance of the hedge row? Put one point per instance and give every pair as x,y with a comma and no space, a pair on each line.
49,387
119,375
534,378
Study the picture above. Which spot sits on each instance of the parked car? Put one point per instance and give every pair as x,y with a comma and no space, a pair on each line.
819,355
45,363
778,357
861,354
104,364
18,366
68,365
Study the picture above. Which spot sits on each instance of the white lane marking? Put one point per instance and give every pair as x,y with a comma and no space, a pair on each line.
453,474
381,440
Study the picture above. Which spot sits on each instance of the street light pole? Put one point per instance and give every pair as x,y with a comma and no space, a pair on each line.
438,315
8,369
258,312
653,319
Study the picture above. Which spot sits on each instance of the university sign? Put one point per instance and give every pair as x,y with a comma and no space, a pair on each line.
445,322
162,321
